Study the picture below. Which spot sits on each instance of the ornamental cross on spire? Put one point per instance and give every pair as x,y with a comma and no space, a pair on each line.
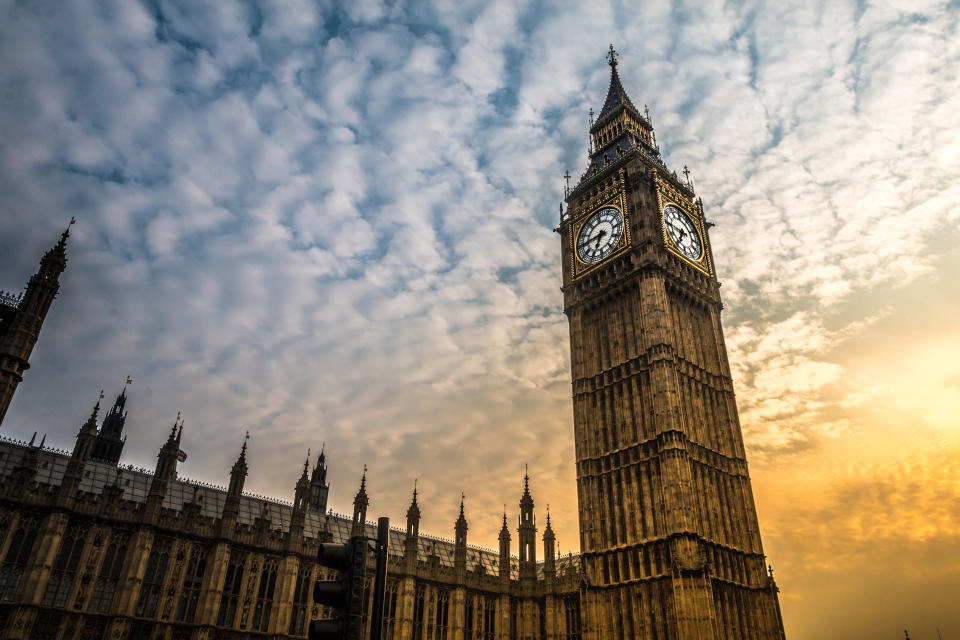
612,56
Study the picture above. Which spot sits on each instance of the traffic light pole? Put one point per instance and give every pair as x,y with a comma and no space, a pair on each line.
345,594
380,579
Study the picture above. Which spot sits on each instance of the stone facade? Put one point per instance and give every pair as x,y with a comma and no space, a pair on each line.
89,549
668,530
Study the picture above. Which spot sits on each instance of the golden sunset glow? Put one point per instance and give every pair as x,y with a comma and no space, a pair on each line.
333,223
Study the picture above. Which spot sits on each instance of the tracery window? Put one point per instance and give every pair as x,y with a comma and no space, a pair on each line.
441,611
268,582
190,593
298,616
110,569
65,567
11,571
419,604
571,607
232,583
489,619
153,580
390,610
468,618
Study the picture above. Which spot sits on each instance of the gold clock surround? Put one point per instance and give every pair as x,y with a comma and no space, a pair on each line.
610,196
667,195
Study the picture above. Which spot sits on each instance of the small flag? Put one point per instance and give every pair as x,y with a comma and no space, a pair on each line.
181,455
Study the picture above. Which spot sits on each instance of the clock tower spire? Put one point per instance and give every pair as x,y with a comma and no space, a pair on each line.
668,530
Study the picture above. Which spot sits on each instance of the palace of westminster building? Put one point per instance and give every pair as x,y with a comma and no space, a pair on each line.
669,541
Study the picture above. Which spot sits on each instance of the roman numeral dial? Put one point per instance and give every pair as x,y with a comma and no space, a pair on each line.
599,235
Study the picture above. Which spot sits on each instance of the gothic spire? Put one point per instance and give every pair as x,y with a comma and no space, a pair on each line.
616,95
526,500
360,503
56,256
91,424
413,511
239,471
461,519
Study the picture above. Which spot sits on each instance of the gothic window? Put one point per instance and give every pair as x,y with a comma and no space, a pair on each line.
419,604
299,614
106,584
232,584
571,608
489,619
390,610
468,618
441,614
64,568
153,580
268,582
190,592
11,571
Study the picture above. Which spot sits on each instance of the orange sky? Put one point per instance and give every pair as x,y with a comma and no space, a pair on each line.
334,224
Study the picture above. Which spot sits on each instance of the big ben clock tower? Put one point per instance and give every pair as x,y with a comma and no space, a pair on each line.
668,529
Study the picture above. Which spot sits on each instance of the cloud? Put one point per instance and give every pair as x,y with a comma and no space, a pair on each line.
329,223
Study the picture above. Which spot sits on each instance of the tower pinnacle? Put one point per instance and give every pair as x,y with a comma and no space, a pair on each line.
22,318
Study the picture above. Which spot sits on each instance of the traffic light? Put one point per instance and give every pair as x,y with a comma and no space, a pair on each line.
344,594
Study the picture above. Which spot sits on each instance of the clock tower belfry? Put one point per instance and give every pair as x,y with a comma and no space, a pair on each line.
668,530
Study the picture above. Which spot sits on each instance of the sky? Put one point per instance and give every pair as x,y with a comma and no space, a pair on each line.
332,223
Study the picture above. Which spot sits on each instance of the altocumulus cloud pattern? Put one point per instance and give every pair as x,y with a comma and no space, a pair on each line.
332,221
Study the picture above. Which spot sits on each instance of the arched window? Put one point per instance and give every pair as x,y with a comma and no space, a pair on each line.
190,593
268,582
110,570
419,604
64,568
441,614
298,616
11,571
390,611
153,580
232,584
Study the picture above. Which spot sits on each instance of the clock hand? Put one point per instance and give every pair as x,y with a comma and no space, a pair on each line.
599,237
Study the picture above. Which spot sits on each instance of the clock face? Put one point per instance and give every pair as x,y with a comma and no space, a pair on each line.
599,235
681,230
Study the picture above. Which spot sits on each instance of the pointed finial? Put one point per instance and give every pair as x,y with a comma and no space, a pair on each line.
612,56
414,489
548,516
323,448
246,437
66,232
306,463
590,113
128,381
462,498
43,441
646,111
363,480
96,408
526,478
32,438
